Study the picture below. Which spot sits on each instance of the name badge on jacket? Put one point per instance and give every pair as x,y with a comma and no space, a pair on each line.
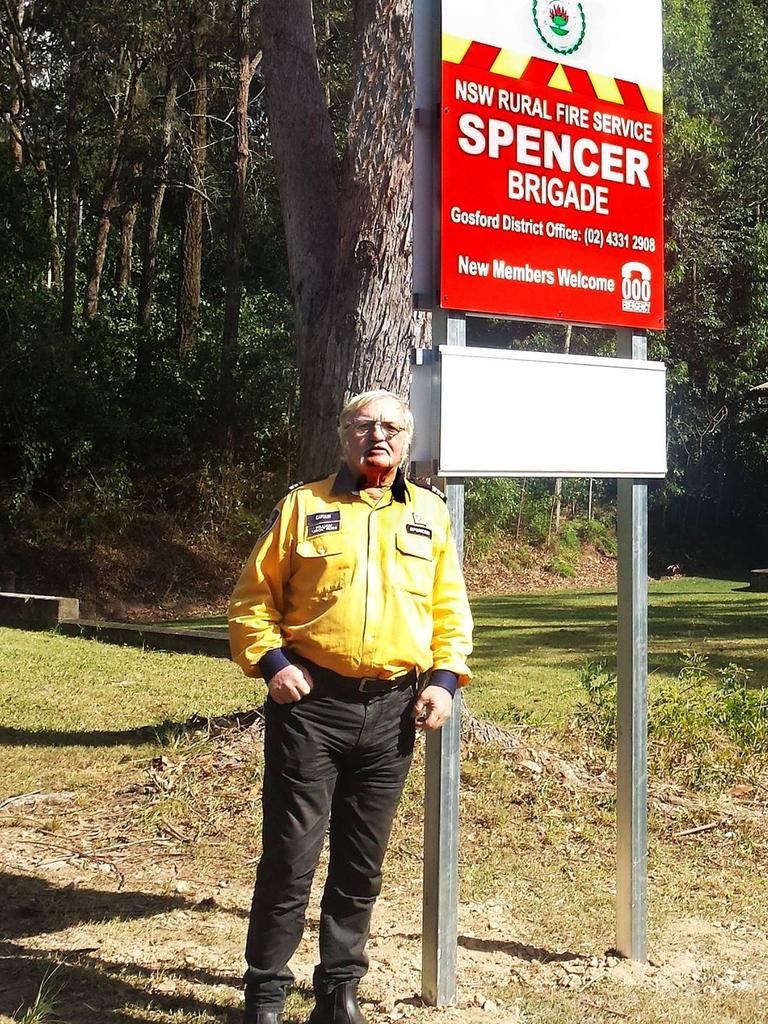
323,522
420,531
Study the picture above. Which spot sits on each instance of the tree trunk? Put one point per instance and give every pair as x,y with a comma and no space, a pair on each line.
154,204
24,86
14,135
109,195
125,260
523,490
49,207
194,199
108,200
349,244
70,251
73,201
15,141
240,154
127,226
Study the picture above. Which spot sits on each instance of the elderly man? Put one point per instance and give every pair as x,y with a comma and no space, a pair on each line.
352,596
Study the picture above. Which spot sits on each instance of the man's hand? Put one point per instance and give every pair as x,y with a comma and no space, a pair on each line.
432,707
290,684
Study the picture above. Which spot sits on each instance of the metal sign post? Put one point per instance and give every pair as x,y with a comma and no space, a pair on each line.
441,791
538,195
632,702
441,796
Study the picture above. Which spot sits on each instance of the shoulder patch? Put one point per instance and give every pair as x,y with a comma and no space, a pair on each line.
303,483
274,515
430,487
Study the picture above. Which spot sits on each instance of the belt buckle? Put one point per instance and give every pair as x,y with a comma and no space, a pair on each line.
362,686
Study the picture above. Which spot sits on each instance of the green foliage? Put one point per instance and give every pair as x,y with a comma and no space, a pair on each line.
707,724
718,699
599,533
105,421
597,713
79,429
523,510
717,339
79,421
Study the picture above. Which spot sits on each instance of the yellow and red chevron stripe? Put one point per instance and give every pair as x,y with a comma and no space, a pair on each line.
551,73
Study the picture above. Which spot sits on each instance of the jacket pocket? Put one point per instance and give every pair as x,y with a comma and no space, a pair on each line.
321,565
416,564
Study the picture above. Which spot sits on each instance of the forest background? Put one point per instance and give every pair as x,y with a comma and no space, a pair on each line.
153,343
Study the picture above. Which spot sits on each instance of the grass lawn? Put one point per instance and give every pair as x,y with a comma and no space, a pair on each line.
131,867
528,647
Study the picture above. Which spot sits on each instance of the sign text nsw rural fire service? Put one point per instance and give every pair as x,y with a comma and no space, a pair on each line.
552,160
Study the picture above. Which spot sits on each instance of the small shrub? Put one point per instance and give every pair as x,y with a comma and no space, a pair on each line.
597,713
516,557
562,566
600,535
707,725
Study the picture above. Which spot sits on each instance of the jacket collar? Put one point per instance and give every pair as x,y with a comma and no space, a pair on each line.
345,483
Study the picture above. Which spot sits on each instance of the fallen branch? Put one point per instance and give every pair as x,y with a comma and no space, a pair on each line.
9,801
697,829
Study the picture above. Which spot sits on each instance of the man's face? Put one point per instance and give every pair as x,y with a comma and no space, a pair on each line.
368,450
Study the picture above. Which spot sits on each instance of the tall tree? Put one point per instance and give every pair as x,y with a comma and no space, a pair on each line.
122,106
247,63
347,220
157,183
14,106
127,226
15,39
74,121
194,194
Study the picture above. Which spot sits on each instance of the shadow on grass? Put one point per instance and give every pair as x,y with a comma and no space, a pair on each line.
140,736
578,627
160,735
87,988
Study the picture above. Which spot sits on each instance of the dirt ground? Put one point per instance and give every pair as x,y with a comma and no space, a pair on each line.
145,927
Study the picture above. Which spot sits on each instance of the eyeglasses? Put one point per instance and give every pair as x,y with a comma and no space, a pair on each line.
364,427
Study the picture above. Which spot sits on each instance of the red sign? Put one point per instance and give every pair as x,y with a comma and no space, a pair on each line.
551,204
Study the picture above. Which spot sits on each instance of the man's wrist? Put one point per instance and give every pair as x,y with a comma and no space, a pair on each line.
273,662
446,679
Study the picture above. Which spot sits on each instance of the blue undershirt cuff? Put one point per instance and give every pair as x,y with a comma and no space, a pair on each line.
272,662
445,678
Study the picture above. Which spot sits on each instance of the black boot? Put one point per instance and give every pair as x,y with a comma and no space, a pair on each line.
262,1016
338,1007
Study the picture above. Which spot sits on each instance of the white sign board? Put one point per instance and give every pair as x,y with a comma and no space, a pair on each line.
537,414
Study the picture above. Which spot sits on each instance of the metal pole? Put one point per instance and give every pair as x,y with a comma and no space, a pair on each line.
632,703
441,791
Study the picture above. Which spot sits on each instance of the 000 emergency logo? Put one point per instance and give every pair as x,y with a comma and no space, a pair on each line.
561,24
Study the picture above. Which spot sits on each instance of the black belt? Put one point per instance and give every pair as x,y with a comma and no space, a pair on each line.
337,685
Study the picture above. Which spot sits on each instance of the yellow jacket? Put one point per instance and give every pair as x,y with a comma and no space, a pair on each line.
361,588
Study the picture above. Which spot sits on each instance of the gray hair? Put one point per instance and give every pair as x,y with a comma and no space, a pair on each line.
358,401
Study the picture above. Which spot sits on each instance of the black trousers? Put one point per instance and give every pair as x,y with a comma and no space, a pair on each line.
325,755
